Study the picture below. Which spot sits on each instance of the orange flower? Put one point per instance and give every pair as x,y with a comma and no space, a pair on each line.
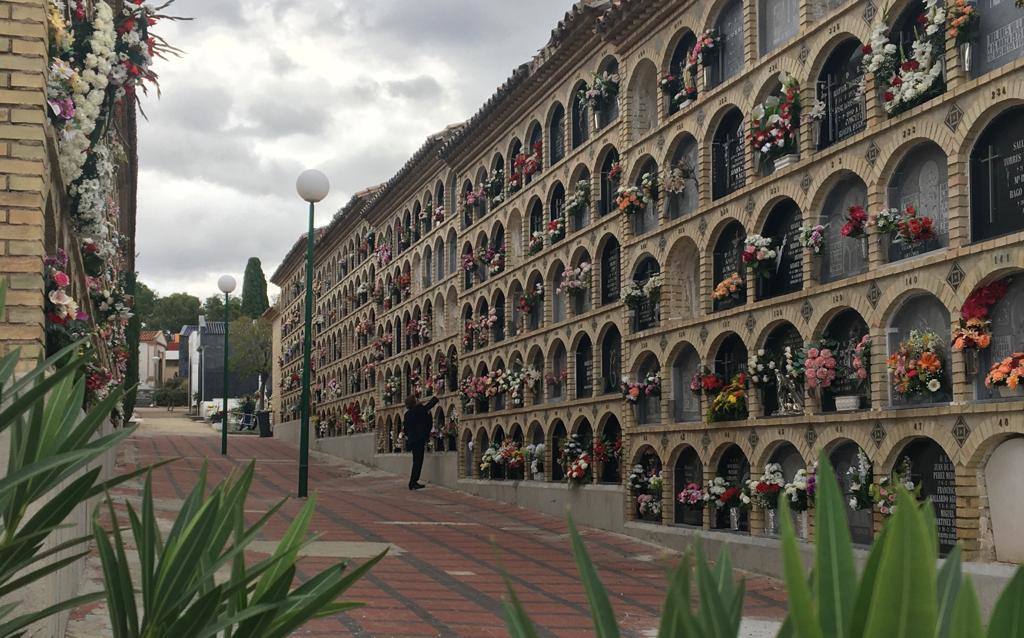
929,362
1012,381
984,340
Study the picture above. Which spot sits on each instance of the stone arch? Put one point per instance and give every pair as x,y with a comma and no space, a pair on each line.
680,183
606,167
556,133
991,186
643,98
918,175
925,313
728,152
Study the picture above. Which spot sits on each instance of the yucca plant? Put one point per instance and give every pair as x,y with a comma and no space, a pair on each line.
900,593
181,591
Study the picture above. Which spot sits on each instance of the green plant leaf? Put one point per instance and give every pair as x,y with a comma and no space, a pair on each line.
834,575
906,577
1007,619
866,589
677,619
801,608
966,621
948,582
605,625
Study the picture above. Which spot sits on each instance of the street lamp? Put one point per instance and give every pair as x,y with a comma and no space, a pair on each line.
312,187
227,285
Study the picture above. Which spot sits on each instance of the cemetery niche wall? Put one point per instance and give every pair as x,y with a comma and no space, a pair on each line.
524,316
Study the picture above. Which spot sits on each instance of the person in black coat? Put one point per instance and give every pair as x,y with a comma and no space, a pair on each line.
418,424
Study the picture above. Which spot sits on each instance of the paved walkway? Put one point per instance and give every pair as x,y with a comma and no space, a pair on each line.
441,577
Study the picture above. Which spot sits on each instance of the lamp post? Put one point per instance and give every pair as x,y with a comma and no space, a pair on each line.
312,187
227,285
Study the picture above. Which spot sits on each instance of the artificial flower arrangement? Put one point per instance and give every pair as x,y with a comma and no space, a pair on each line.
468,333
536,242
649,506
730,404
556,229
556,378
762,368
633,200
514,382
963,21
774,124
66,322
884,494
607,450
677,176
487,461
705,382
579,201
975,331
820,365
764,492
604,87
759,255
494,187
813,237
471,198
636,294
383,254
390,390
378,292
364,327
638,479
515,180
861,478
576,461
705,48
649,386
800,491
904,226
438,215
511,456
908,79
861,362
691,496
671,85
534,162
469,262
615,172
720,494
793,363
493,258
916,368
728,288
405,284
1008,373
484,326
856,223
530,300
535,459
576,281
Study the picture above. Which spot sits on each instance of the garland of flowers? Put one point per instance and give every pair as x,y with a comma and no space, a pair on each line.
975,331
66,322
775,122
916,367
908,79
649,386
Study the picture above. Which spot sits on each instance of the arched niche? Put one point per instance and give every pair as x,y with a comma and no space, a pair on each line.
650,463
643,103
1006,330
685,405
609,111
728,155
778,21
680,68
453,251
611,271
681,186
843,256
775,389
734,467
648,312
535,317
581,301
787,456
842,335
558,296
556,213
584,367
731,357
845,459
647,220
1005,507
558,436
997,177
580,115
498,330
730,56
922,314
839,89
579,216
611,360
559,372
934,471
688,471
556,134
783,228
609,182
922,180
648,407
611,434
728,261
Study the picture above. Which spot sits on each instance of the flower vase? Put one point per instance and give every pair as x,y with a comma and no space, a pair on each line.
538,476
966,56
771,523
734,519
707,77
970,362
802,525
1011,393
785,160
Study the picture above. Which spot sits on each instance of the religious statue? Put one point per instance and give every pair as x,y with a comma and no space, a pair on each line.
791,400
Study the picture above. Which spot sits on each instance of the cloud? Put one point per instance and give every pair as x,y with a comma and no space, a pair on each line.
269,87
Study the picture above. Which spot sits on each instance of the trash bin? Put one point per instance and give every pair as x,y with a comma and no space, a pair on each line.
263,420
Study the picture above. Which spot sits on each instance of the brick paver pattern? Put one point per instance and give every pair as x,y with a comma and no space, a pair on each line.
445,579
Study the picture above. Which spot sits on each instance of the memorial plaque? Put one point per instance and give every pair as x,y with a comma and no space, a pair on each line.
997,178
859,521
611,360
731,357
728,260
820,8
933,469
735,469
688,470
922,182
684,203
843,256
730,54
779,21
1000,34
783,227
611,275
584,371
686,406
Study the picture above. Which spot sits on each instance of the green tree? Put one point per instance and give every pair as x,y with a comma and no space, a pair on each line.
213,308
145,301
254,289
172,393
174,311
131,377
250,351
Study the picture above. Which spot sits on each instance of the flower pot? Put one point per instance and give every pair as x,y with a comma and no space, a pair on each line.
802,525
685,103
708,79
1011,393
848,403
734,519
771,522
966,56
785,161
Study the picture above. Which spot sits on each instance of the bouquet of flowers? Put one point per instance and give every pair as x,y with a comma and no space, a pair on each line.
819,366
762,368
390,391
861,362
606,450
706,44
649,386
764,492
578,470
975,328
405,283
856,223
638,480
556,379
469,263
813,237
535,458
536,242
494,259
556,229
633,294
494,187
511,455
884,494
706,382
439,214
730,403
793,362
721,494
904,226
630,200
759,255
488,459
730,287
604,87
973,334
678,175
649,506
529,300
963,21
916,367
861,478
579,201
800,491
383,254
691,496
576,281
671,85
1007,373
774,124
615,171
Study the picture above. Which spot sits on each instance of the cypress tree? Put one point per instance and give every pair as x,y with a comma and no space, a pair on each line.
254,289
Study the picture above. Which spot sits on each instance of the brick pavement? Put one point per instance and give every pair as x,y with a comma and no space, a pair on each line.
443,579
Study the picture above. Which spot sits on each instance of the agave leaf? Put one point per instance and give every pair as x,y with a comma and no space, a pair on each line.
801,606
866,589
605,625
1007,619
834,574
966,621
948,582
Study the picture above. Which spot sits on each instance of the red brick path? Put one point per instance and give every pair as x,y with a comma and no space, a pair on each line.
446,582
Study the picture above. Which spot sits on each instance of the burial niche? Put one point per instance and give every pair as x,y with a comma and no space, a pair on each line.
846,459
611,271
584,368
919,334
729,59
648,407
611,468
688,475
1007,333
933,470
735,469
839,89
777,21
1005,507
843,256
731,358
1000,35
851,389
611,360
781,393
921,181
558,436
728,267
647,220
680,185
685,404
728,155
786,275
997,176
647,310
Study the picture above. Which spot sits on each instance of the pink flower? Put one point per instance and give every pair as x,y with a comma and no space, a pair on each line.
822,373
830,362
61,279
862,373
812,353
812,382
825,352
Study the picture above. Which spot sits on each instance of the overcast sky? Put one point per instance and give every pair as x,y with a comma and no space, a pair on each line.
268,87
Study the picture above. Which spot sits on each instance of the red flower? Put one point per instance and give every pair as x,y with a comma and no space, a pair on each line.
866,49
888,96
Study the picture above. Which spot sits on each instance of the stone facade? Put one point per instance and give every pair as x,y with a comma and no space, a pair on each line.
885,161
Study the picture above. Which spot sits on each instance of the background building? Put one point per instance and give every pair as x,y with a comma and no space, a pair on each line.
152,364
204,363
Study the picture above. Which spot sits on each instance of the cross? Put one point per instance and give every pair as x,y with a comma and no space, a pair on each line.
990,160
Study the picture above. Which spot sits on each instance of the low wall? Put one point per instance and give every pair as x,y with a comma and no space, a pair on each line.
600,506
